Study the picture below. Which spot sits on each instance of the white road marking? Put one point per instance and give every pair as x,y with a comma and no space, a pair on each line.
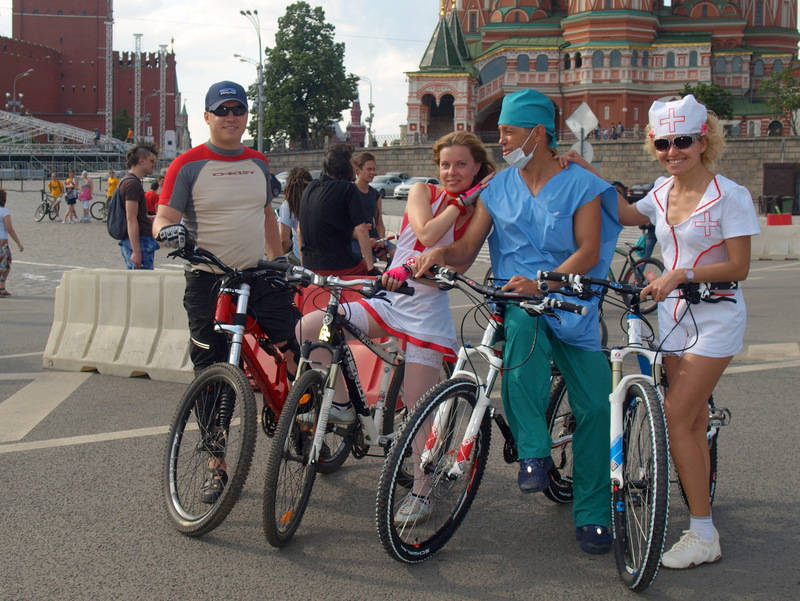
15,447
22,411
20,376
18,355
16,262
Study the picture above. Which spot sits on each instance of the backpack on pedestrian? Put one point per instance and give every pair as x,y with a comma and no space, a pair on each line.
116,216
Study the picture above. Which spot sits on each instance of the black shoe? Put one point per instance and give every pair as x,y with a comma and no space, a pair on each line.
532,475
594,539
212,488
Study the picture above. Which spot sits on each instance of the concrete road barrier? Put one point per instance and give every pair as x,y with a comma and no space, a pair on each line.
121,323
776,242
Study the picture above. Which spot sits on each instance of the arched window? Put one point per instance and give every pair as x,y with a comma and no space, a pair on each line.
704,10
608,4
634,58
523,63
693,58
578,60
541,62
597,58
670,59
759,12
737,64
493,69
566,62
758,68
645,59
616,58
777,66
720,65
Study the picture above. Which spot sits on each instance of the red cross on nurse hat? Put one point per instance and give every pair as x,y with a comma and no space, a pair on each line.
677,117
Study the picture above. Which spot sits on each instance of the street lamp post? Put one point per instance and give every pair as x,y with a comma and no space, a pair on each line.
252,16
14,87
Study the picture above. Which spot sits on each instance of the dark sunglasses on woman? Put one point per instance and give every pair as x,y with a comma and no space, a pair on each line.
222,111
680,142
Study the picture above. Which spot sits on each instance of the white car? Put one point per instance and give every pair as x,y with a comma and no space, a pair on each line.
401,191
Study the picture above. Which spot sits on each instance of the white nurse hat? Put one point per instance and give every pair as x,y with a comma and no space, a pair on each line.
677,117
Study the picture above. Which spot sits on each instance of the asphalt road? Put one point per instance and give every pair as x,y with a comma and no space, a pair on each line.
82,513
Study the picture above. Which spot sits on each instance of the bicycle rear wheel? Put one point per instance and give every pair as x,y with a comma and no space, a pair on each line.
561,424
40,212
446,496
290,473
215,421
640,506
641,273
98,210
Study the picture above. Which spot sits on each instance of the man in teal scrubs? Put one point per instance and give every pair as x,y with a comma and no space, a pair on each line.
543,217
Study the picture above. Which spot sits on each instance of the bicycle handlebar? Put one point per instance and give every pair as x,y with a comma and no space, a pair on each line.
694,292
533,303
282,273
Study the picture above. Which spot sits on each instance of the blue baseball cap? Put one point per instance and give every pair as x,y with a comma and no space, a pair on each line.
222,92
529,108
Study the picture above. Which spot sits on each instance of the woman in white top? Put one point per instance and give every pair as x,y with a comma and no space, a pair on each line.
703,222
434,216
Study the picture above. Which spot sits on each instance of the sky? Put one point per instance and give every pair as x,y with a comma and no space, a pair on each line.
383,39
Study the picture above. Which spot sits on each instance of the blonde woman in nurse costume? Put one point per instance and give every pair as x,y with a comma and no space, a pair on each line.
703,222
435,216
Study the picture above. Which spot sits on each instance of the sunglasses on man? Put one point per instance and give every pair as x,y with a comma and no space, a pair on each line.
222,111
680,142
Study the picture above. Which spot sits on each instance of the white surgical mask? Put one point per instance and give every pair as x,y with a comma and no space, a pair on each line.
517,158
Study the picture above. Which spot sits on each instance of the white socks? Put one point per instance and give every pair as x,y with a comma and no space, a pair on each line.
704,526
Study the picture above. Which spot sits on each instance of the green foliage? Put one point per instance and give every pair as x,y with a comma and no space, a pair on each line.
121,123
782,91
714,97
305,84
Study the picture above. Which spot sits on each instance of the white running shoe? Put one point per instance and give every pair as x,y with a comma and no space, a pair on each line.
691,550
413,510
341,415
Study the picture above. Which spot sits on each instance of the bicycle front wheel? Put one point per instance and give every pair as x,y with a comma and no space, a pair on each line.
640,507
641,273
290,473
40,212
414,524
561,423
98,210
215,426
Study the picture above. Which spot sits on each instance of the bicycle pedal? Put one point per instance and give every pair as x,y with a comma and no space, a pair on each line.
719,416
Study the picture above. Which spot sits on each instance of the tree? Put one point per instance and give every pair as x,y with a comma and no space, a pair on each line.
305,84
782,90
713,97
121,123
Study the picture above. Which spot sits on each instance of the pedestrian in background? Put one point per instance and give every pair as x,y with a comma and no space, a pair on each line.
139,247
71,197
366,169
111,184
151,198
288,223
85,195
55,188
6,230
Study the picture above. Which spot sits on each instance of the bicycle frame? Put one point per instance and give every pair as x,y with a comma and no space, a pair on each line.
245,336
331,338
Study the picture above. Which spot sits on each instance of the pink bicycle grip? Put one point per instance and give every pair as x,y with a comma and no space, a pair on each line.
470,196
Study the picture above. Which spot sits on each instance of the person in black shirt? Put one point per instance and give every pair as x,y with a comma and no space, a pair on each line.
330,215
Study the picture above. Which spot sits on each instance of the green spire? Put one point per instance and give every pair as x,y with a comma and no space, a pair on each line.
441,52
458,36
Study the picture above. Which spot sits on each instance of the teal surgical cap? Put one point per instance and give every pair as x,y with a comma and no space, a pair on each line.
529,108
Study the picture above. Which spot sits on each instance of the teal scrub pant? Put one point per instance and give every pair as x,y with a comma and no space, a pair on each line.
530,345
